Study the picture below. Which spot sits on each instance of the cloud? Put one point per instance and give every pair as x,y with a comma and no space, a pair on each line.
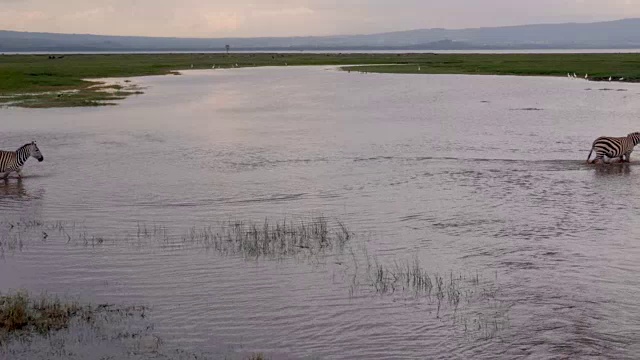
224,18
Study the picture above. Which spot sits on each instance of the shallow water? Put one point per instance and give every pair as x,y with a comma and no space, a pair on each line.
458,171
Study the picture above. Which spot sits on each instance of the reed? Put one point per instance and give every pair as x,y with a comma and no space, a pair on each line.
272,239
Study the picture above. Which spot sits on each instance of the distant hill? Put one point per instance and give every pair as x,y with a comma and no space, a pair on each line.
609,35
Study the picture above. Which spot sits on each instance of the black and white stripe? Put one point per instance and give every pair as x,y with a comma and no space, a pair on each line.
12,161
614,147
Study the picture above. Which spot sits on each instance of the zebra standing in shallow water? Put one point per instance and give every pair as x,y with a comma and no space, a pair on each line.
614,147
11,161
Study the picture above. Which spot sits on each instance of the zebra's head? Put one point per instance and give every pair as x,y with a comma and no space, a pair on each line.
35,152
635,136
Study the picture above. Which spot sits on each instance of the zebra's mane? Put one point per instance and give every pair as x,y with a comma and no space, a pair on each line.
23,146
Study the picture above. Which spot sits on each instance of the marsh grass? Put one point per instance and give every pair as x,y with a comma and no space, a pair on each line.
411,277
90,95
22,314
312,236
470,300
267,239
46,327
273,240
599,66
258,356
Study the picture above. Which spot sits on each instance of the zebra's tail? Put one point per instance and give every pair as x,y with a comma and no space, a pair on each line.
589,156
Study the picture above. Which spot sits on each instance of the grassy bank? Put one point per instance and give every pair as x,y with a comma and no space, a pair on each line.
598,67
61,81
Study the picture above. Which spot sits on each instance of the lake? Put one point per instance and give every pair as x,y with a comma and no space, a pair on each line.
480,179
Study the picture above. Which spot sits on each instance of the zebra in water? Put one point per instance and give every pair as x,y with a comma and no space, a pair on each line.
11,161
614,147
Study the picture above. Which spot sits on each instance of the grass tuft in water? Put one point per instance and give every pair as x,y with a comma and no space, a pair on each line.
412,277
272,239
20,313
258,356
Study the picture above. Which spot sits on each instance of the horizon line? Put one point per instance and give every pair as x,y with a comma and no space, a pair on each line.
325,36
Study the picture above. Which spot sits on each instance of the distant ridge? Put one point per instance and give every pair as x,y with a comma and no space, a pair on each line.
619,34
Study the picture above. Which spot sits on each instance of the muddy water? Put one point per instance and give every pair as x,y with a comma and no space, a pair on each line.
470,175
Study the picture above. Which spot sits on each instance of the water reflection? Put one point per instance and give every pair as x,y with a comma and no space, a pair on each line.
20,200
613,169
13,189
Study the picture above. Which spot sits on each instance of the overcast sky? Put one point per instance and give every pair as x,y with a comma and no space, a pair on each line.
245,18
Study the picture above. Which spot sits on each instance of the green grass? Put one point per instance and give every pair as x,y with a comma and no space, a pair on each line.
23,75
599,67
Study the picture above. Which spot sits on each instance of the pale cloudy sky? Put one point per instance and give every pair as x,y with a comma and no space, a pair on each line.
246,18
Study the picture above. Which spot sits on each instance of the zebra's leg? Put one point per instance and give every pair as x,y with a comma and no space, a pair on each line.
599,159
19,172
623,158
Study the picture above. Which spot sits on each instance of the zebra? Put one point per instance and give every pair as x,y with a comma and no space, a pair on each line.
11,161
614,147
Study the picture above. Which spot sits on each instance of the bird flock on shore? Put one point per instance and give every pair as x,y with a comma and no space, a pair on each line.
586,77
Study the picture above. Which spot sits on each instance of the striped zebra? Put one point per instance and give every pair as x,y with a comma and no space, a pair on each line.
11,161
614,147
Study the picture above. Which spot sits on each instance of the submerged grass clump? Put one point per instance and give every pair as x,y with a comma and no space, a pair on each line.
412,277
269,239
278,239
22,314
46,327
91,95
469,299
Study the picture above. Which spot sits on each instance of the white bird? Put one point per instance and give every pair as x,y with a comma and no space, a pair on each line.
621,78
569,75
609,78
586,76
236,64
213,66
192,66
574,75
285,64
418,68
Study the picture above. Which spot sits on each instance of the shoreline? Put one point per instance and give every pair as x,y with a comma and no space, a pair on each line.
77,80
